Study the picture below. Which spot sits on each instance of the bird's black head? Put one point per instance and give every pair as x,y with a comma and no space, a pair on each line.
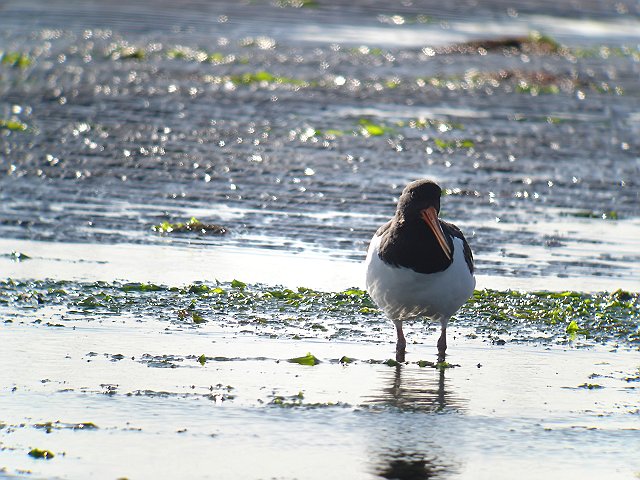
417,196
415,237
418,207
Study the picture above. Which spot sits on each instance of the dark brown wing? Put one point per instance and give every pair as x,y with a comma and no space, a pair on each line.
454,231
383,228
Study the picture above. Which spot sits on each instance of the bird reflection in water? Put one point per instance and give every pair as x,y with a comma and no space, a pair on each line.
410,467
409,448
417,390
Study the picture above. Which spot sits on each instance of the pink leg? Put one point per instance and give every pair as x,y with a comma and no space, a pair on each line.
402,342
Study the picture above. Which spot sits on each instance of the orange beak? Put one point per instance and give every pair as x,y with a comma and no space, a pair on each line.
430,217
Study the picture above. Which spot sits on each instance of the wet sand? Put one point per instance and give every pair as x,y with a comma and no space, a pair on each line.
501,410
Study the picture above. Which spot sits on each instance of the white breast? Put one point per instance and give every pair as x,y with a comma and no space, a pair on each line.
403,293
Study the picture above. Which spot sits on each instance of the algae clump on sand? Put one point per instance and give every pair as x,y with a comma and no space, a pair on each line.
39,453
308,359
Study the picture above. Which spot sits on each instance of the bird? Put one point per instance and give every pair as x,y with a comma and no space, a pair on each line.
418,265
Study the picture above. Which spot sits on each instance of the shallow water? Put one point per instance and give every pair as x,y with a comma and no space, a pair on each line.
122,379
296,129
370,420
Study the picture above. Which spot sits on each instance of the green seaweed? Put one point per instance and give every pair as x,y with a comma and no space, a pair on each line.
48,427
599,316
356,292
265,77
621,296
199,288
140,287
84,426
534,90
19,256
605,215
438,365
519,81
198,55
606,51
331,132
189,313
308,359
191,225
554,120
590,386
90,302
15,59
444,365
451,144
406,19
40,453
297,401
541,39
424,123
572,327
297,3
369,128
13,125
364,50
275,311
634,378
122,51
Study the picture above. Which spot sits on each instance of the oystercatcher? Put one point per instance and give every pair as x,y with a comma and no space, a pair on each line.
418,265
